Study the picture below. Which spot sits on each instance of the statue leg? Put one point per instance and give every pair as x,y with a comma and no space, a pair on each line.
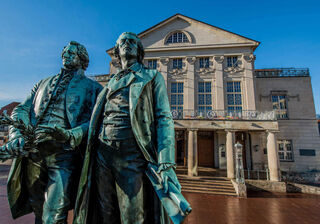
36,182
63,173
128,168
105,194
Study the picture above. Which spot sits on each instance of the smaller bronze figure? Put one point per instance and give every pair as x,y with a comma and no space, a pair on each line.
57,114
131,134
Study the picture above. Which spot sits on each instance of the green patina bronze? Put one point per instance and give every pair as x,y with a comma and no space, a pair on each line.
57,111
128,173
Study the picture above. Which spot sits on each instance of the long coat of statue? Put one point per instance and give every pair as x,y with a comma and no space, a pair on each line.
79,105
152,125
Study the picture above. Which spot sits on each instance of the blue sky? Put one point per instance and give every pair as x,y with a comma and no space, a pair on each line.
33,33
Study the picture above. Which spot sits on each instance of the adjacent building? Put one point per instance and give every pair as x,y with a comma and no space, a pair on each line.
4,128
218,98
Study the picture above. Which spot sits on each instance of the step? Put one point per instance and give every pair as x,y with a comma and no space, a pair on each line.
208,186
210,192
208,189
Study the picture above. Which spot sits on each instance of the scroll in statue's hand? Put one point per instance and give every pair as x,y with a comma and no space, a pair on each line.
169,175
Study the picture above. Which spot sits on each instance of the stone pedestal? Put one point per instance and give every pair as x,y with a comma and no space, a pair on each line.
192,153
273,157
230,155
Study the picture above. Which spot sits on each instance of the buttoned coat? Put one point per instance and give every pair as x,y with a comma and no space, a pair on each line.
81,94
152,125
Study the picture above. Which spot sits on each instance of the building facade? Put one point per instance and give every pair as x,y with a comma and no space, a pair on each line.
218,98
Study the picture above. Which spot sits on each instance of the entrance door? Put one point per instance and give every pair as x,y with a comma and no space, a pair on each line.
180,147
205,149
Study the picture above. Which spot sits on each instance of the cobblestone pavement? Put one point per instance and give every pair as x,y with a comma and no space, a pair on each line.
261,208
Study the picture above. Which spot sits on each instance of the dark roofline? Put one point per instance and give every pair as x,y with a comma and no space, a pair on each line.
178,14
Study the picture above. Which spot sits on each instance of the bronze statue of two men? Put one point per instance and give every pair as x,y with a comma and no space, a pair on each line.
126,134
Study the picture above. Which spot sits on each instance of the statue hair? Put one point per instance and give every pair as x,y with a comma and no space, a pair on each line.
81,52
140,50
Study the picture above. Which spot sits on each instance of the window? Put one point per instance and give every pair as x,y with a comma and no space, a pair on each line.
285,150
204,62
177,37
279,106
307,152
177,63
176,97
234,98
204,98
152,64
232,61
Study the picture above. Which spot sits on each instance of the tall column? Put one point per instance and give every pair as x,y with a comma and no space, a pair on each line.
248,151
164,69
219,87
190,85
192,153
249,93
230,155
273,157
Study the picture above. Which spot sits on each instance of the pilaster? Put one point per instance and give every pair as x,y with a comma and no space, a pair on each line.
219,86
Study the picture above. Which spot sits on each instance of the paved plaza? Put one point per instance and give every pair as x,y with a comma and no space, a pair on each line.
258,208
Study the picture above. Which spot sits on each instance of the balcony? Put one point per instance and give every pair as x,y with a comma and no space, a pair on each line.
223,115
282,72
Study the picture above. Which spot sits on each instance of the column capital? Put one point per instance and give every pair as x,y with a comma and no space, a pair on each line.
272,131
191,60
192,129
164,60
231,130
219,58
249,57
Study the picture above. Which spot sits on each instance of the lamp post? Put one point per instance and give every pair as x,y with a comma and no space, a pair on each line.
239,163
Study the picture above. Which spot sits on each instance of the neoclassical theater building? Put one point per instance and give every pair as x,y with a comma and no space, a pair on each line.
219,98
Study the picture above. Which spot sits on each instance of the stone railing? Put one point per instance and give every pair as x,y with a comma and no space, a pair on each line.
223,115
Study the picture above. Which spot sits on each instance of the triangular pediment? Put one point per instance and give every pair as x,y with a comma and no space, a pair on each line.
199,33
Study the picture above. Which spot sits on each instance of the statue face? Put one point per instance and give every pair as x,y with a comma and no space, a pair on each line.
128,46
70,58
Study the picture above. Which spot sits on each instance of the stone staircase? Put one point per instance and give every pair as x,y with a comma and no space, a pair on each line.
209,184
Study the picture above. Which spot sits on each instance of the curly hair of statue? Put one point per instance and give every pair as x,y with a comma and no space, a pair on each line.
81,52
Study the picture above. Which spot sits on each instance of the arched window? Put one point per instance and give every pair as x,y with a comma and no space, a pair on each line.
177,37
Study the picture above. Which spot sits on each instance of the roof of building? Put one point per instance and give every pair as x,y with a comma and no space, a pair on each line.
9,108
178,15
281,72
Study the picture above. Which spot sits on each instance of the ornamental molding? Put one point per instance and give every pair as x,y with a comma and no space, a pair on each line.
191,60
164,61
233,70
219,59
205,71
178,72
249,57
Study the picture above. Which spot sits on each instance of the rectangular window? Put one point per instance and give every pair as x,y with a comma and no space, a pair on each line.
234,97
152,64
177,63
176,97
232,61
204,98
204,62
285,150
307,152
279,105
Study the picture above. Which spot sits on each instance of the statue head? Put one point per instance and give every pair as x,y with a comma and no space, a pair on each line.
75,56
129,46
